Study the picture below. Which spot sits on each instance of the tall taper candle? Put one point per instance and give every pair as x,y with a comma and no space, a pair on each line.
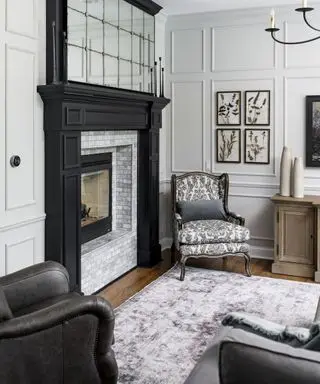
155,79
151,83
304,3
54,53
162,83
272,19
160,80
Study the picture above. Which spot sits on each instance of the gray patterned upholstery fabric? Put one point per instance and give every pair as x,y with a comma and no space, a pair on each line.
216,249
199,187
212,231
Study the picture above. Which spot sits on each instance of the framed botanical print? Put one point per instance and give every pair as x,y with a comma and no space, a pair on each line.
257,107
228,108
228,145
257,146
313,131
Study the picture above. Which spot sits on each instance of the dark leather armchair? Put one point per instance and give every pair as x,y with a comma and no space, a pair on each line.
51,335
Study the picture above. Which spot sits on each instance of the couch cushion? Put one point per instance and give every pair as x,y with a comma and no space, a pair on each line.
201,210
212,231
5,311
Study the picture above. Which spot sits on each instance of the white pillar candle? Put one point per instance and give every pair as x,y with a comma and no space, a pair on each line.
272,18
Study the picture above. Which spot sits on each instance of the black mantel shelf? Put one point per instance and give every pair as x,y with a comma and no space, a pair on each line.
75,107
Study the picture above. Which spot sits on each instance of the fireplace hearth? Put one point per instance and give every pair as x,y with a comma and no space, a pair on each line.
96,196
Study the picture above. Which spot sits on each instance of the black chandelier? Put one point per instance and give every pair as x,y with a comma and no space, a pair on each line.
304,10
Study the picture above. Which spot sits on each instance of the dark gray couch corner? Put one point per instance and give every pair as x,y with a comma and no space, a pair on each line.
239,357
54,335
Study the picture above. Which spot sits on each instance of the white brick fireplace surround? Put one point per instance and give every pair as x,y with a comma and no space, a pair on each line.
108,257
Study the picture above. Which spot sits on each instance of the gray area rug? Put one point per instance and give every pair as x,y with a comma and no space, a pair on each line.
162,331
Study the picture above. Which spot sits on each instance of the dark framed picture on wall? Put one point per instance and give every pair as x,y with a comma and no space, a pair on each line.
313,131
228,145
257,146
257,108
228,106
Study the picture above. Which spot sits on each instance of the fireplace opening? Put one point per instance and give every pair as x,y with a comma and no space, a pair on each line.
96,196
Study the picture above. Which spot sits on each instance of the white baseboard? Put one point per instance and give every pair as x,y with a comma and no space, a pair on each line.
256,251
166,243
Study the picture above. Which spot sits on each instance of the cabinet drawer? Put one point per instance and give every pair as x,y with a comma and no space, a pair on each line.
296,233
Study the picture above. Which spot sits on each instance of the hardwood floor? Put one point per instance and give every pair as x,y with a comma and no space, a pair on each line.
134,281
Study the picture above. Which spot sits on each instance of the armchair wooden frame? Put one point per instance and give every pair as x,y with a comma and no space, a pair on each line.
177,222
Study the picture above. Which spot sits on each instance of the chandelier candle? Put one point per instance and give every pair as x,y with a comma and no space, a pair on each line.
272,19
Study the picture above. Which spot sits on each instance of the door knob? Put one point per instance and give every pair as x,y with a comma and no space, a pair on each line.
15,161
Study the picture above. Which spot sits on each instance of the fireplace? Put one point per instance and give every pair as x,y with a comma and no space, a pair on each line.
96,196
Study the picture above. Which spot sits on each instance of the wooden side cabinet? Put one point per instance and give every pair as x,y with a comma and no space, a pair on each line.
295,251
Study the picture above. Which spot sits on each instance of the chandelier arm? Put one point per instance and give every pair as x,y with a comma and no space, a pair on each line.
293,42
308,24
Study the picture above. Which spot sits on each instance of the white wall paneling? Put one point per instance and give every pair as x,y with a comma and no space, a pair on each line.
21,17
241,56
192,59
22,68
302,56
228,41
188,123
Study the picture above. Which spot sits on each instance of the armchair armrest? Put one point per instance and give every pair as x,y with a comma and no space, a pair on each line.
58,313
240,357
178,219
235,219
35,283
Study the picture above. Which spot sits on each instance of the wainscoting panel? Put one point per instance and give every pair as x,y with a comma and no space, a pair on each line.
188,123
302,56
228,42
189,60
21,17
244,169
296,89
20,109
21,246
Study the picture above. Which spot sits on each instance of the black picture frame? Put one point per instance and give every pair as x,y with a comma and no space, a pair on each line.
312,155
255,142
252,95
227,95
219,159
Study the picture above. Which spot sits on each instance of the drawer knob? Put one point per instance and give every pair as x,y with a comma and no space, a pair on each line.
15,161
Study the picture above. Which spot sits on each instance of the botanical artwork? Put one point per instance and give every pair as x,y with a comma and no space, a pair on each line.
228,108
228,145
257,104
257,146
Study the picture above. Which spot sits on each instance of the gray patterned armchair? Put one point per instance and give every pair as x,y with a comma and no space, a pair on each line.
209,238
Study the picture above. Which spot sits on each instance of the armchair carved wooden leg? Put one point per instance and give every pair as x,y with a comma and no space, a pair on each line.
183,267
247,259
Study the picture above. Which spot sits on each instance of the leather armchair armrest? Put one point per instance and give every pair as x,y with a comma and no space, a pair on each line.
34,284
61,312
235,219
178,219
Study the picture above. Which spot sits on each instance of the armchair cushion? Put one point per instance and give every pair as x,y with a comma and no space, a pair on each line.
5,311
212,231
201,210
216,249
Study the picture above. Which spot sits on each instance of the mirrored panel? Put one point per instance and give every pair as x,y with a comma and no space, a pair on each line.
125,15
110,42
95,31
111,12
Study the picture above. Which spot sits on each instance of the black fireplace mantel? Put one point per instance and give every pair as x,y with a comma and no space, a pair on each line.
73,108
